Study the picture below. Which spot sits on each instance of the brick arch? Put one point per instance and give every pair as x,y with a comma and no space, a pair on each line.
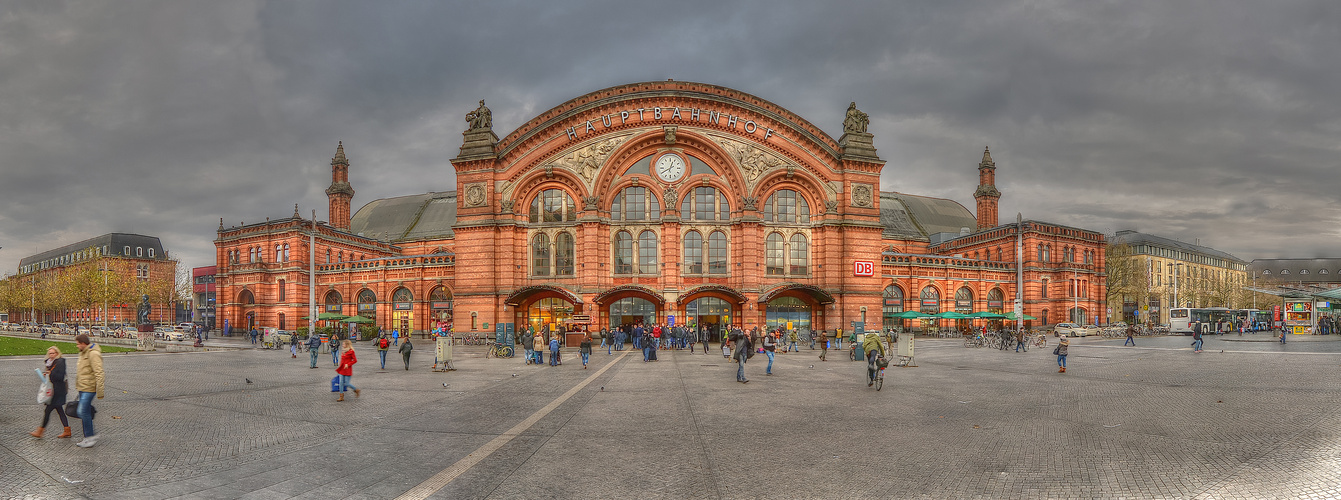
609,181
809,292
623,291
524,295
719,291
815,192
539,180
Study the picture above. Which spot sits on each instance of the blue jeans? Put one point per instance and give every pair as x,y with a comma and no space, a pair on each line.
647,353
740,369
769,370
609,347
1196,345
313,354
1129,341
86,412
584,358
345,385
1061,360
382,354
554,357
539,357
335,356
1019,345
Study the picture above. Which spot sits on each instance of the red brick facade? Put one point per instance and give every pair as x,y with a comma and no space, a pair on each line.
758,212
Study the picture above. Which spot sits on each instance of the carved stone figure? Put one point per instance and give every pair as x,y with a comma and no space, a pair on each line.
587,161
507,206
142,316
855,121
474,195
481,118
670,196
831,206
591,203
670,133
748,202
861,195
753,161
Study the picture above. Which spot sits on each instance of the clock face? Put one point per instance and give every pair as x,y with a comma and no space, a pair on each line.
670,167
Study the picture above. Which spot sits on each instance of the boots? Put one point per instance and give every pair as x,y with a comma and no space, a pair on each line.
356,393
38,433
342,397
1061,370
65,434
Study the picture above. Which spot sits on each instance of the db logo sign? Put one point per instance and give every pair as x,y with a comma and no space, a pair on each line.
863,268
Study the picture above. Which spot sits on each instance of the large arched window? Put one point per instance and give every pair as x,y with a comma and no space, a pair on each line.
647,252
623,253
787,206
800,255
635,203
964,300
717,253
773,255
705,203
286,252
553,205
564,254
995,301
367,303
893,304
931,300
693,253
540,255
333,302
402,295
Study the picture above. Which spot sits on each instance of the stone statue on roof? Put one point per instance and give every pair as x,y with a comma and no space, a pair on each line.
481,118
855,121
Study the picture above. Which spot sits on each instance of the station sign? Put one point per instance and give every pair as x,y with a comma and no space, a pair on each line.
863,268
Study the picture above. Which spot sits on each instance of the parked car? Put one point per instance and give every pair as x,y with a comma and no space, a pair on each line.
1074,330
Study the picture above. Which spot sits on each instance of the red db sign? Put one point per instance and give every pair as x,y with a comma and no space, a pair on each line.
863,268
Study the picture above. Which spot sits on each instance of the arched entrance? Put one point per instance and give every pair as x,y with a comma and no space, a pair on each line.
248,301
367,300
995,304
930,304
709,314
787,312
440,306
632,310
402,310
893,304
546,314
964,305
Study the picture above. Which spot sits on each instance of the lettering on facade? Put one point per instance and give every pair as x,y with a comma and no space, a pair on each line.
863,268
655,113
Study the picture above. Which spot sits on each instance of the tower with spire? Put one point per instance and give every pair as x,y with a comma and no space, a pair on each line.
340,193
987,194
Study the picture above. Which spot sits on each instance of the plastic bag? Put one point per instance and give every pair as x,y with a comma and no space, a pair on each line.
44,391
335,384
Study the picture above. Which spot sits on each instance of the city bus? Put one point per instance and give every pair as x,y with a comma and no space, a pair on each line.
1181,318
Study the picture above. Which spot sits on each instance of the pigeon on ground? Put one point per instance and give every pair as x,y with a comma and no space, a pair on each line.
248,381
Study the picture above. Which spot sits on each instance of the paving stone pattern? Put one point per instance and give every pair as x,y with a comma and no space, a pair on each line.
1259,420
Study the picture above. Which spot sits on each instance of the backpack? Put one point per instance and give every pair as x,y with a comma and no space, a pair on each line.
382,344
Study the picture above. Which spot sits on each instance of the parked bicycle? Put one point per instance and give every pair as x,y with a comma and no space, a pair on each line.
499,350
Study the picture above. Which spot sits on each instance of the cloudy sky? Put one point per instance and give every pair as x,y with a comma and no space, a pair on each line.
1211,120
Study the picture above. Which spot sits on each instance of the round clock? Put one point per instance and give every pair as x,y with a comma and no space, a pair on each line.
670,167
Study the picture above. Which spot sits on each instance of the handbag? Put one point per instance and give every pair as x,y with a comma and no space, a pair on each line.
72,410
335,384
1057,351
44,391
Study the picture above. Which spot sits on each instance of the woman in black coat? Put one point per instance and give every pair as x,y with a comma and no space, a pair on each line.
55,372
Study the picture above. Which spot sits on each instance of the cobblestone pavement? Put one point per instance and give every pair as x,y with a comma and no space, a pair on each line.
1259,420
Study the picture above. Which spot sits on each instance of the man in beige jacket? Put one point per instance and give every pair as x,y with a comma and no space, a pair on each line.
89,384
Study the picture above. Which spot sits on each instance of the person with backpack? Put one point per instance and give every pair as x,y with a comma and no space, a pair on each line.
313,345
554,351
1060,352
382,345
743,352
405,352
585,349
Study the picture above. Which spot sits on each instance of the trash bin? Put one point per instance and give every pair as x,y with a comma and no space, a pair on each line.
325,345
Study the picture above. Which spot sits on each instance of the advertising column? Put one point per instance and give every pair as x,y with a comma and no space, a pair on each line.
1299,316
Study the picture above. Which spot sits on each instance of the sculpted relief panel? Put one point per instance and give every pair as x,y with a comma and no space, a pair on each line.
587,161
753,161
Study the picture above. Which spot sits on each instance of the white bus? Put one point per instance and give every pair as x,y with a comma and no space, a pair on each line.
1181,318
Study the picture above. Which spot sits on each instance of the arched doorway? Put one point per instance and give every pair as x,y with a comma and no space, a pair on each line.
440,306
930,304
402,310
248,301
783,310
710,314
893,304
631,310
964,305
367,300
995,304
1076,315
546,314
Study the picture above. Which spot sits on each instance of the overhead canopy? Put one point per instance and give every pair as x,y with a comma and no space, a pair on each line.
986,315
1011,316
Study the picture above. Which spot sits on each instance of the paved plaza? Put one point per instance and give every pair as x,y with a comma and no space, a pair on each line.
1258,420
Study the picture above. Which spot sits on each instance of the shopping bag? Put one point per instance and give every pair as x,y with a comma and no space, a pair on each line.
45,390
335,384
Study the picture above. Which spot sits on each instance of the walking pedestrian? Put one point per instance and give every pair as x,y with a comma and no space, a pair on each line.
770,346
293,346
1060,351
527,342
703,337
382,346
792,338
743,352
1019,341
335,351
811,334
89,382
554,351
313,345
538,347
824,344
54,369
405,352
395,337
1196,338
1282,333
1131,331
346,369
585,349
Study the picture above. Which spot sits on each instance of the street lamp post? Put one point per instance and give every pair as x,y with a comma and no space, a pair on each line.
104,298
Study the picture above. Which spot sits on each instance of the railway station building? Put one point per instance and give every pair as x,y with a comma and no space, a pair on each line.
658,202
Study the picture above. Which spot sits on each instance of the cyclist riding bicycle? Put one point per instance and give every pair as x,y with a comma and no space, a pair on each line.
870,344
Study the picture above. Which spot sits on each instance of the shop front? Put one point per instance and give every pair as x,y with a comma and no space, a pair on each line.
1299,318
402,311
440,307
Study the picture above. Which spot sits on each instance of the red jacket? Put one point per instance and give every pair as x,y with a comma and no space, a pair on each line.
347,361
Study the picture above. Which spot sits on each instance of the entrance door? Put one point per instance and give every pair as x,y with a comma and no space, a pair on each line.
631,310
710,313
783,310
